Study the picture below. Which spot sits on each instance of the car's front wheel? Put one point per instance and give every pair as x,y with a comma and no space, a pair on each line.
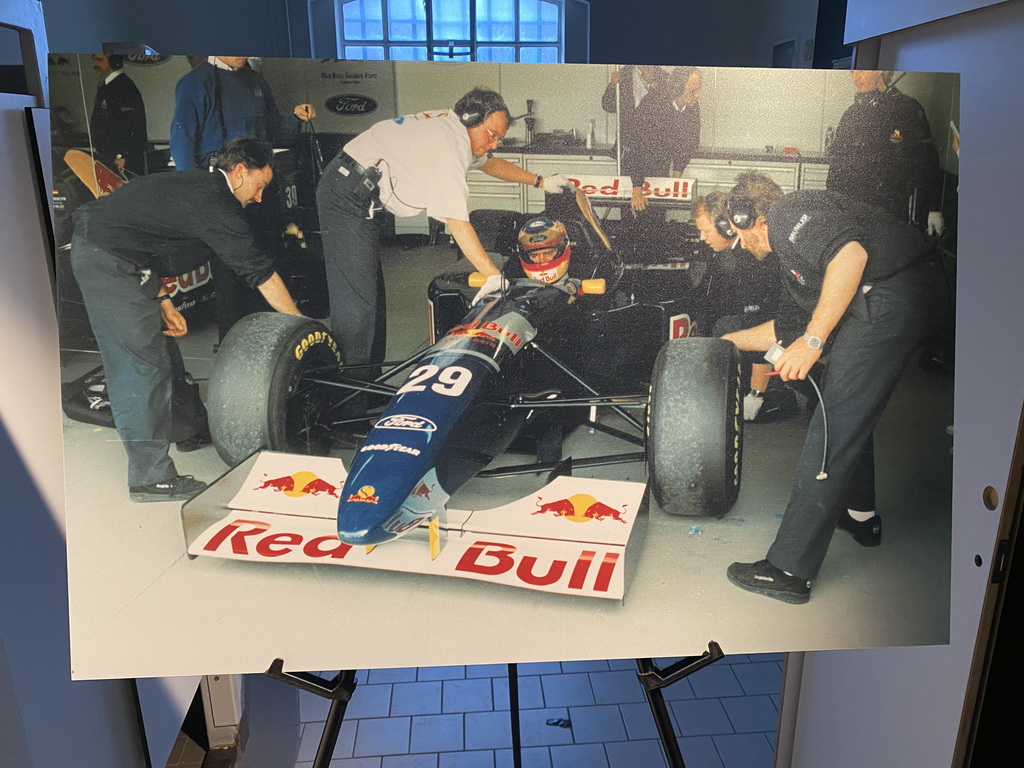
267,388
695,427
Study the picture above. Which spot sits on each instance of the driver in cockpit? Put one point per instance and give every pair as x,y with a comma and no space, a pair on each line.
544,249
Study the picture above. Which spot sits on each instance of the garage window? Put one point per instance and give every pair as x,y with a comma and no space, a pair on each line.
447,30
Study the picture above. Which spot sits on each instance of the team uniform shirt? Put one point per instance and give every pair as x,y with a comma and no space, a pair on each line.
806,230
172,223
423,160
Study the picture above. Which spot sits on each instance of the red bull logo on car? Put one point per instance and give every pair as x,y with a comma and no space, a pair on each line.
367,494
580,508
299,484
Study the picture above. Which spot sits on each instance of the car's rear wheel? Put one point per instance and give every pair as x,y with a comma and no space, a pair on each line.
695,427
267,390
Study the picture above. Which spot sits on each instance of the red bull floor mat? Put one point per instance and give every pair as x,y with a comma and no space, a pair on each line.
569,537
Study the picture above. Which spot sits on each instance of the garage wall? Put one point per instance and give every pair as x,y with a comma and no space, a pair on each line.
903,706
249,28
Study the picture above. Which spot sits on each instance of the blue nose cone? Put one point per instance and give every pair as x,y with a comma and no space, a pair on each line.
363,516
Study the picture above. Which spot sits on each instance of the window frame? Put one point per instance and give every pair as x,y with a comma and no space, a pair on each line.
431,44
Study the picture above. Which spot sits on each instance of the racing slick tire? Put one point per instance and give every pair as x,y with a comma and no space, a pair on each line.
695,427
260,393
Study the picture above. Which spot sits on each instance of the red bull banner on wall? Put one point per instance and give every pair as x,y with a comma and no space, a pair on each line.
569,538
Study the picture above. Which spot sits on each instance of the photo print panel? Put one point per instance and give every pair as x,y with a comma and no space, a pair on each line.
420,364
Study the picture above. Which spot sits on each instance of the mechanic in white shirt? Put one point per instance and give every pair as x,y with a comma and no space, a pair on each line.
407,165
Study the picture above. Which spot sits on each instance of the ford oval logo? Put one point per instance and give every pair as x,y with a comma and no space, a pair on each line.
407,421
351,104
142,60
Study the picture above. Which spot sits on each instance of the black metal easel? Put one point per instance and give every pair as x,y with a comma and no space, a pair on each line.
341,687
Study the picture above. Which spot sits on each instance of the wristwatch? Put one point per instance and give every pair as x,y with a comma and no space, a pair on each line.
813,342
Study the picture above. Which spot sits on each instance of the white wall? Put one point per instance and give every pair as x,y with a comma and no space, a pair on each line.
902,706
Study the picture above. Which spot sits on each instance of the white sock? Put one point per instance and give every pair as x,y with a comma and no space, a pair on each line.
860,517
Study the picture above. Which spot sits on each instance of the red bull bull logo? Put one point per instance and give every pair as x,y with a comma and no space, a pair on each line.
580,508
299,484
422,491
367,495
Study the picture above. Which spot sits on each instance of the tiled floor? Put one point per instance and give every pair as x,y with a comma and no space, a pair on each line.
457,717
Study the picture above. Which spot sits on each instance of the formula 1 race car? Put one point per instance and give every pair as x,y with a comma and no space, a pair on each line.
514,361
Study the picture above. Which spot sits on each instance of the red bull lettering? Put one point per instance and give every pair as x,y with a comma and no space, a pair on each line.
247,538
493,558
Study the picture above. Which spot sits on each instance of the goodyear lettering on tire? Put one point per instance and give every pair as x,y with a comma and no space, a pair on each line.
737,414
312,340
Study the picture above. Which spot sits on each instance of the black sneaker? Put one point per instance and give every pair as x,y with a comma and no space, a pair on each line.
194,443
180,488
780,404
867,533
765,579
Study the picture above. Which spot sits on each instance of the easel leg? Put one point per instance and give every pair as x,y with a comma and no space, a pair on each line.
339,690
654,679
513,706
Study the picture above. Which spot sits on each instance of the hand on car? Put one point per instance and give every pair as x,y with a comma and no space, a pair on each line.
554,184
493,284
936,223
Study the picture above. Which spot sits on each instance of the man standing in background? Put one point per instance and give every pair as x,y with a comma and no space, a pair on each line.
118,122
221,99
883,153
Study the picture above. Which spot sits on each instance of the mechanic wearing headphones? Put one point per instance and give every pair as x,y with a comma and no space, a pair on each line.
407,165
118,122
224,98
156,226
747,290
883,153
865,288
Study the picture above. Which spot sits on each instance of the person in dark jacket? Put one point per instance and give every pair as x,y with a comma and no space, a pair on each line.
883,153
118,121
865,288
124,243
222,99
666,132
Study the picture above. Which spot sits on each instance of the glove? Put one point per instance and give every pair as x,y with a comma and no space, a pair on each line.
554,184
752,402
936,223
493,284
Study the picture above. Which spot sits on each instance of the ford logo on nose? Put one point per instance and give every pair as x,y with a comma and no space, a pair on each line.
351,104
407,421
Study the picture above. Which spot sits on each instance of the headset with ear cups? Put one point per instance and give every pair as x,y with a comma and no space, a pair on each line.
724,227
472,114
742,211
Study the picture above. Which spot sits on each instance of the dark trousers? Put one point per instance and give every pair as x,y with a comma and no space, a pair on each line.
126,320
870,349
355,278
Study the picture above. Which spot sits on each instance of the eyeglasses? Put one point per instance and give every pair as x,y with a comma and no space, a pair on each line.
495,137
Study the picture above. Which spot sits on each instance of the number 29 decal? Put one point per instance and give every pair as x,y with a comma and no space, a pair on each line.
451,381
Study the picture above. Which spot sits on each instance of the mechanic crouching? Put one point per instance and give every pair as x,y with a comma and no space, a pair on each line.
164,225
748,292
865,289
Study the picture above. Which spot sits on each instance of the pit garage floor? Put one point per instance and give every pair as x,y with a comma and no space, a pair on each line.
140,607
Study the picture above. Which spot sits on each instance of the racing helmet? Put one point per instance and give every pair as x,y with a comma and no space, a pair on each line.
544,249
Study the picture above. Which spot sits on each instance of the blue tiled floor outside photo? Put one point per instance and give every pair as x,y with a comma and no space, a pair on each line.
725,716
